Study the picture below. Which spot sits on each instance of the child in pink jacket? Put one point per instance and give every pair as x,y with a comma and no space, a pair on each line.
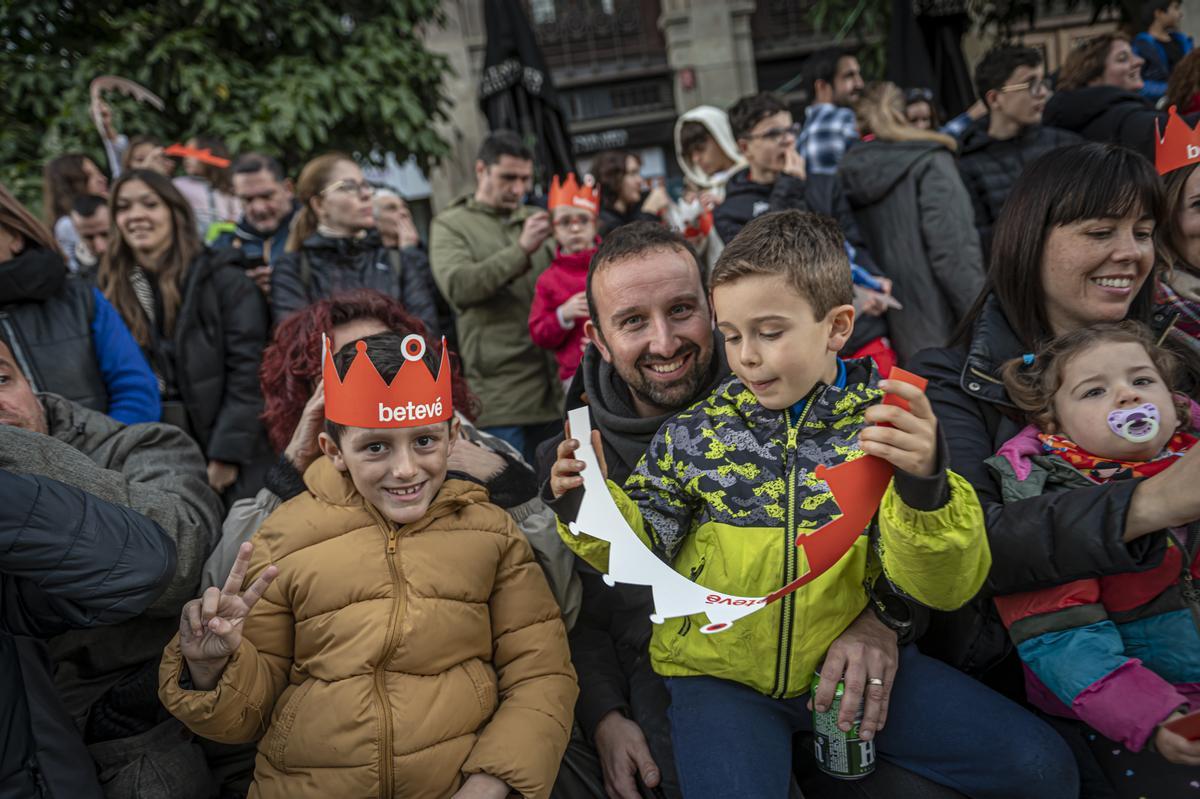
560,301
1119,652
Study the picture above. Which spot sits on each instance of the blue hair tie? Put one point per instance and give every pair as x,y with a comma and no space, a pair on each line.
1027,359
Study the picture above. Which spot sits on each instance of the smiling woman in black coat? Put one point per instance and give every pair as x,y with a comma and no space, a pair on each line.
1076,215
200,321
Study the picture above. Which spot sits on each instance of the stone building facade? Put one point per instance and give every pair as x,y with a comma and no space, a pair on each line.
627,68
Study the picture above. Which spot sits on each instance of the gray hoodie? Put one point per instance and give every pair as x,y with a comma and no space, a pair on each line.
154,469
916,216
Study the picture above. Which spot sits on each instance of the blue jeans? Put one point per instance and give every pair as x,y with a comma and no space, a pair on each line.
732,741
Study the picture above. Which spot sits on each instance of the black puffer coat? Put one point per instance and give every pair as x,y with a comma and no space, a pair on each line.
324,266
989,167
46,318
214,353
1036,543
911,205
67,560
1108,114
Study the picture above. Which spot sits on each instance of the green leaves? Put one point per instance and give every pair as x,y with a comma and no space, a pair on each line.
292,79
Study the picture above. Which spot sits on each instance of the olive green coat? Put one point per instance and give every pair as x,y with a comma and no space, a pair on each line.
489,280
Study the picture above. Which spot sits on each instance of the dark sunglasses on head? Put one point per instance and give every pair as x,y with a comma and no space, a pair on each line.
918,95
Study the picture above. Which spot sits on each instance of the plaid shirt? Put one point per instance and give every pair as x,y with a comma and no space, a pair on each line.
828,131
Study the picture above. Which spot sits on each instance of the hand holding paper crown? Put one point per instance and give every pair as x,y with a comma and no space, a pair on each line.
1178,146
571,194
364,399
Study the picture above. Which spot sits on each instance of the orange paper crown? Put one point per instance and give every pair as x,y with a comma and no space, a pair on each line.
1180,146
363,399
204,156
571,194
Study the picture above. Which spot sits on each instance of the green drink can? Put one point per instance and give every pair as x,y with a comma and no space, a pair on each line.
840,754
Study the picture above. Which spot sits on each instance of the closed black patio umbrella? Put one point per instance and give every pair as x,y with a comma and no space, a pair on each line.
516,91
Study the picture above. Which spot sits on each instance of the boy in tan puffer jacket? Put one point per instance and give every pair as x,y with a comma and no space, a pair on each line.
396,638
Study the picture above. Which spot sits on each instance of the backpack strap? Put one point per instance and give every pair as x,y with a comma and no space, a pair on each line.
305,270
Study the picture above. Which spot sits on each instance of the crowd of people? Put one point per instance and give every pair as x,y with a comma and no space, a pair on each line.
294,510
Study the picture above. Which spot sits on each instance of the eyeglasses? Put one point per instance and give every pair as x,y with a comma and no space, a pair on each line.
1034,87
775,134
568,222
349,186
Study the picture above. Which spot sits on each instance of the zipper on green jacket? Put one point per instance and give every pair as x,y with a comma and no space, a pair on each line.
791,560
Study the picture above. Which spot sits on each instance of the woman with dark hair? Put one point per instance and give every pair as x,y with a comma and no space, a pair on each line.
920,109
623,198
65,179
63,333
1178,291
1074,246
1183,89
1097,96
295,416
200,321
333,247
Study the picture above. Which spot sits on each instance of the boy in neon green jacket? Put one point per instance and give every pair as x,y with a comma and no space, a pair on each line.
729,484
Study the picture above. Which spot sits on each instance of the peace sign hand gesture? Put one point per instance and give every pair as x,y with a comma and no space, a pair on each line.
210,628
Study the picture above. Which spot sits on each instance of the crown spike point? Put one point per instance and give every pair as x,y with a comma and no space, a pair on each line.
364,399
569,193
1177,146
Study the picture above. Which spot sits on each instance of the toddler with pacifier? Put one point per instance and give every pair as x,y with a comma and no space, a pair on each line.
1121,653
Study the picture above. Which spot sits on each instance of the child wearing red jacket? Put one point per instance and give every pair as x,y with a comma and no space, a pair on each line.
560,300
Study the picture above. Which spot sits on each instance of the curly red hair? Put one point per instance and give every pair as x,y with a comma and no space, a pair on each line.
291,364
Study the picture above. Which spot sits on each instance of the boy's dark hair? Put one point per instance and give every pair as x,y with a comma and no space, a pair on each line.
631,241
808,249
999,63
386,351
749,111
503,142
692,136
1032,386
1150,6
821,65
88,204
249,163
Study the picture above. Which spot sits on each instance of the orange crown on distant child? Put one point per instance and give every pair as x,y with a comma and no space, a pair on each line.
571,194
1180,146
363,399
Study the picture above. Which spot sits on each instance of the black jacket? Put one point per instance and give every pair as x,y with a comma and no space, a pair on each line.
611,218
325,266
213,355
911,204
1037,543
46,318
67,561
821,194
989,167
1108,114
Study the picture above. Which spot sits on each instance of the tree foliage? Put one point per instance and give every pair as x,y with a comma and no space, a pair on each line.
286,77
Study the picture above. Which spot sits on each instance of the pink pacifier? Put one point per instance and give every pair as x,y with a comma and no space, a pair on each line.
1137,425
